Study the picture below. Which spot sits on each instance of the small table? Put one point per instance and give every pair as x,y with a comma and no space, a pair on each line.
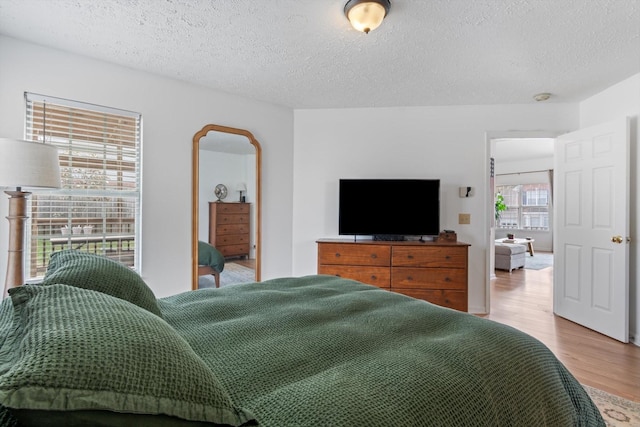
526,242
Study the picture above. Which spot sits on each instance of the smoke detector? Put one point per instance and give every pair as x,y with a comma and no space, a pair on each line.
542,96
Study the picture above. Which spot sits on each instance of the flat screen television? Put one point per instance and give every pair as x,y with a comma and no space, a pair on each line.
389,209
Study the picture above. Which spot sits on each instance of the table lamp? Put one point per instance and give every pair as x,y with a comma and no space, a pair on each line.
242,188
23,164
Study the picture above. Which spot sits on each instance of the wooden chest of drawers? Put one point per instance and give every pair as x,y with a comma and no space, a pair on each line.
432,271
229,228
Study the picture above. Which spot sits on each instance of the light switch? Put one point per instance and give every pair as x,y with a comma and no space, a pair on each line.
464,218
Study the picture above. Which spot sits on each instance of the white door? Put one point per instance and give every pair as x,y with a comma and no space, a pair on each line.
591,252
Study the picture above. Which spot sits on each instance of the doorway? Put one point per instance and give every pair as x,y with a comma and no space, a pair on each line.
522,169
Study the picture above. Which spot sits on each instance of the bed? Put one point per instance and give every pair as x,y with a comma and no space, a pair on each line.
210,261
91,345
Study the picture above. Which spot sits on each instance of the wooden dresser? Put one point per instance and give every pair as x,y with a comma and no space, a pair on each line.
432,271
229,229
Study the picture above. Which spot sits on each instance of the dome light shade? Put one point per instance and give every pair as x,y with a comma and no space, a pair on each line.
366,15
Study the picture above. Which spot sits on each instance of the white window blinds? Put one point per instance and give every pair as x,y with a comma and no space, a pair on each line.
98,207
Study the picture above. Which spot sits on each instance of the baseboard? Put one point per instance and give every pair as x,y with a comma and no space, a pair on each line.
478,310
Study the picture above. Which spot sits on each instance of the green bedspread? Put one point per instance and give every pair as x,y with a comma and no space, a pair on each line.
210,256
325,351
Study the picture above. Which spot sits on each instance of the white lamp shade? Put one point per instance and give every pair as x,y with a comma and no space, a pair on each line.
241,187
28,164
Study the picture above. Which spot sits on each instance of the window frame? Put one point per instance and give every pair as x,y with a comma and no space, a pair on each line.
520,211
100,151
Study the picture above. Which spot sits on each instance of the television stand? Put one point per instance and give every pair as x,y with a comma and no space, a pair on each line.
433,271
388,238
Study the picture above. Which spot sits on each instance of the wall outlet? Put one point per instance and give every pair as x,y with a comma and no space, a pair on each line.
464,218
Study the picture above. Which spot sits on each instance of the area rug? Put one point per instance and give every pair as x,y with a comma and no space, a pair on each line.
232,274
615,410
539,261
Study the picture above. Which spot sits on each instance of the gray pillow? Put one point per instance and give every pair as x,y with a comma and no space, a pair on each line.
99,273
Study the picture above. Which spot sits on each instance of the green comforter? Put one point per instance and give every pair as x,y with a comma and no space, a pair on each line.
322,350
210,256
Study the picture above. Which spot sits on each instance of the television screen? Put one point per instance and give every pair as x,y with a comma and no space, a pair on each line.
389,207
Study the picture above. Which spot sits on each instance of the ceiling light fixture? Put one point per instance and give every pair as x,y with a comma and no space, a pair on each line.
366,15
542,96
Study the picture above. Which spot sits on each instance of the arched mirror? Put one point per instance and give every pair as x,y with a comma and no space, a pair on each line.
226,207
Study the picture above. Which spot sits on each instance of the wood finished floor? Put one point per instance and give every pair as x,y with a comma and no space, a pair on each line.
524,300
249,263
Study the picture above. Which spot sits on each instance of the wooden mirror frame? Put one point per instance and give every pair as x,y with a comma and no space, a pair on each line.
195,198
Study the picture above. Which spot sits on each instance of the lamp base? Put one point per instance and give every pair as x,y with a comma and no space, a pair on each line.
17,217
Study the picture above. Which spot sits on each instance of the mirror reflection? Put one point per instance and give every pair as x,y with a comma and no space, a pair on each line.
226,197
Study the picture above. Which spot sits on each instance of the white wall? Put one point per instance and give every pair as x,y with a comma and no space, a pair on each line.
623,99
172,113
419,142
539,164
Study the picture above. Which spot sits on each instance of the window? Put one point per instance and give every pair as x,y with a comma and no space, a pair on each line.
527,206
98,207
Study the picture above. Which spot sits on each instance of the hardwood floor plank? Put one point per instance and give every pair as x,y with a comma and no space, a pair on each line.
524,300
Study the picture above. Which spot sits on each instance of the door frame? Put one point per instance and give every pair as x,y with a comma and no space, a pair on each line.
490,146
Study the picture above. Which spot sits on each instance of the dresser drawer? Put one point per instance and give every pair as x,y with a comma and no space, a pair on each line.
231,208
345,254
433,256
232,229
446,298
428,278
232,239
222,219
377,276
233,250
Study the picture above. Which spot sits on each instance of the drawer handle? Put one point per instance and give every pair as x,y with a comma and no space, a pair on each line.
447,257
447,279
410,256
337,254
374,256
337,275
409,278
374,277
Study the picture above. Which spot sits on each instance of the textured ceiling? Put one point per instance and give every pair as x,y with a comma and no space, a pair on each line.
521,149
304,53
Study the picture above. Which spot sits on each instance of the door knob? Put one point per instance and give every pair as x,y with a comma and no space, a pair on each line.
616,239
